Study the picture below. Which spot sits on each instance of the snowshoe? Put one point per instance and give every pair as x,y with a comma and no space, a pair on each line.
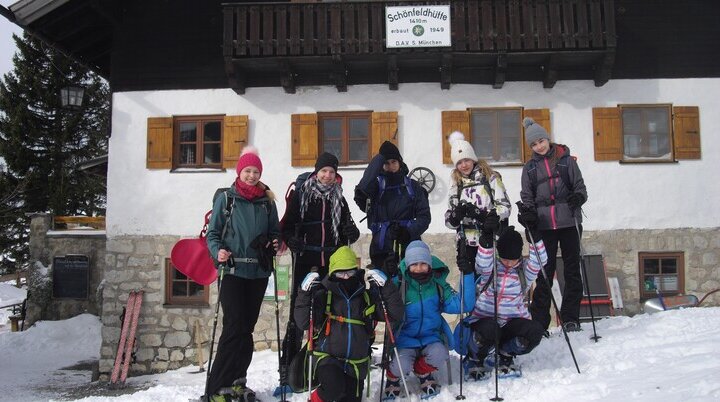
506,366
474,370
572,326
238,392
428,387
392,390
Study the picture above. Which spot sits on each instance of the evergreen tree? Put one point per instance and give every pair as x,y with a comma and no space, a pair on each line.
41,143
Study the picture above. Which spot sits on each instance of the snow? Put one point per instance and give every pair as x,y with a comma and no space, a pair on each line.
669,356
10,295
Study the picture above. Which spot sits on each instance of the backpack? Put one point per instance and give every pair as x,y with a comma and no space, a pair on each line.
407,183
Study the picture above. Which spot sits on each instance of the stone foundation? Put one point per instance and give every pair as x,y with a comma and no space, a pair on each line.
166,333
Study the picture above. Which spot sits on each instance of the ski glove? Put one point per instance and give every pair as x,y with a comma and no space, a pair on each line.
295,244
492,222
457,213
351,232
527,216
475,213
399,233
575,200
390,265
377,277
310,282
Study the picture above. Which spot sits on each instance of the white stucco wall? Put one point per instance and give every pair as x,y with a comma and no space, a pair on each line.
629,196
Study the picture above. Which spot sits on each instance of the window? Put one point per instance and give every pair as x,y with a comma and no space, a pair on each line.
497,134
646,133
663,272
181,290
195,142
352,136
346,135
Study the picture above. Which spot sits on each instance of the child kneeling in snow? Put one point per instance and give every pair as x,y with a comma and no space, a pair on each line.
427,295
517,333
343,314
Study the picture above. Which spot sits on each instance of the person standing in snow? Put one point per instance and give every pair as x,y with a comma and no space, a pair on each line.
477,200
518,334
552,193
343,312
244,248
397,207
317,222
424,337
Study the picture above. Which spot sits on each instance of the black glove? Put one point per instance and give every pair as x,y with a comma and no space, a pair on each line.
390,265
456,215
492,222
295,244
265,251
527,216
351,232
473,212
536,235
575,200
399,233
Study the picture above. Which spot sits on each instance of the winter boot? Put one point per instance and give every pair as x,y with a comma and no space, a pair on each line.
506,364
428,386
241,392
392,389
474,369
572,326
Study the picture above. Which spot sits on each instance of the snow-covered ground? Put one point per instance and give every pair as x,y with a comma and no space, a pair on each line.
668,356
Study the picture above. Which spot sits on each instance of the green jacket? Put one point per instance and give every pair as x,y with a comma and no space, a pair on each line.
249,220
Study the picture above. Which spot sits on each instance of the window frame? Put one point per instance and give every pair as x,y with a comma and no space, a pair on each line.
199,121
496,136
182,301
345,134
671,133
679,257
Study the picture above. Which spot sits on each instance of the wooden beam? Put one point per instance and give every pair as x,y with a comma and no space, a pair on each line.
339,74
551,72
603,70
500,70
392,72
287,79
446,71
236,78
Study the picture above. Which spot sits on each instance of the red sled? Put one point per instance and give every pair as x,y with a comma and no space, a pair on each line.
192,258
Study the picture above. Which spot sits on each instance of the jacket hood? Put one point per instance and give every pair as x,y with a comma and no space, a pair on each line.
439,269
561,149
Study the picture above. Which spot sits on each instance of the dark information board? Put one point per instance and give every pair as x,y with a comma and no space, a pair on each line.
71,276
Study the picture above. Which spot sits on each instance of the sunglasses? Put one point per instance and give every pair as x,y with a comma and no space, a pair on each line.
345,274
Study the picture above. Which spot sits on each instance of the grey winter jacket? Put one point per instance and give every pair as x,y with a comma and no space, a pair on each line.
549,197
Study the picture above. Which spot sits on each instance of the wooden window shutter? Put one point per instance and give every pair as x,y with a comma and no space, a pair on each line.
541,117
305,141
607,134
454,120
686,132
384,128
159,142
235,137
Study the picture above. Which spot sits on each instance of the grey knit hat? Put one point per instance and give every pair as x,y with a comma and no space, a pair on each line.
417,251
534,131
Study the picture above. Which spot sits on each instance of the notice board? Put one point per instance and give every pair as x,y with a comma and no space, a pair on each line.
71,277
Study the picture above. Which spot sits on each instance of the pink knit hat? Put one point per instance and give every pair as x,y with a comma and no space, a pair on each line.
249,157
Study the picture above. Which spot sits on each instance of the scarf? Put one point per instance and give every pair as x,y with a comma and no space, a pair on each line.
313,190
249,192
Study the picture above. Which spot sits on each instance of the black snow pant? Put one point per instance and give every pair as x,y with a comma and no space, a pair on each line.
292,341
240,299
529,333
337,385
572,294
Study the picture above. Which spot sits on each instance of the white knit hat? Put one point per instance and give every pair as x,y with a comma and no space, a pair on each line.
459,148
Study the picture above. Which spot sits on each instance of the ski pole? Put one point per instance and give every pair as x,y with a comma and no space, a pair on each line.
461,249
388,327
595,336
546,281
495,313
214,328
311,331
277,325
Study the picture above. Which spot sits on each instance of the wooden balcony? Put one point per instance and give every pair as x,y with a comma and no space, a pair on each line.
291,44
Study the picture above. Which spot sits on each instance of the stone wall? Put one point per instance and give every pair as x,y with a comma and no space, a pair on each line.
166,333
45,244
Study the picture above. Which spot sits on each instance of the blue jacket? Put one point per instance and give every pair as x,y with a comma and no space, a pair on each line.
425,303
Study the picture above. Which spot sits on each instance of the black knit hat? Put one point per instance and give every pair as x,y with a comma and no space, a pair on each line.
510,244
390,151
326,159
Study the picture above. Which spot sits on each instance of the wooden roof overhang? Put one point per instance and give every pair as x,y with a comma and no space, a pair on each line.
493,41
